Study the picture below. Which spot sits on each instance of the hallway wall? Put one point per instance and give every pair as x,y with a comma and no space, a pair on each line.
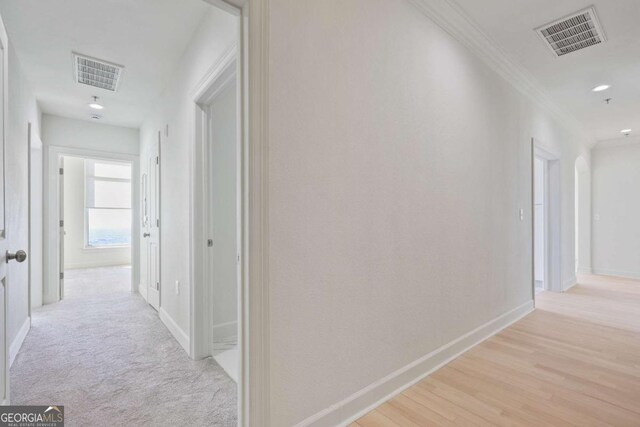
616,210
175,112
398,163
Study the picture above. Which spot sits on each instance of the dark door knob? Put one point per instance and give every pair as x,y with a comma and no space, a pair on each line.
19,256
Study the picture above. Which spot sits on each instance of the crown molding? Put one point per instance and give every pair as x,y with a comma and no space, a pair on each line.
454,20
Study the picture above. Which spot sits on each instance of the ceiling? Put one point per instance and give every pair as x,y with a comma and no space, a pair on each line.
568,79
148,37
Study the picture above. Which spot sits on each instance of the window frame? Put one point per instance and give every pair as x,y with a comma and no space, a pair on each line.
89,190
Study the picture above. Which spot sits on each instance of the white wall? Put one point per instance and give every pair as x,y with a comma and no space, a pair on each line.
616,210
75,253
37,219
22,110
175,108
398,162
72,133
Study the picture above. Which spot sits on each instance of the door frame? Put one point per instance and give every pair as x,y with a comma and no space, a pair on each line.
253,301
552,216
52,206
220,75
5,395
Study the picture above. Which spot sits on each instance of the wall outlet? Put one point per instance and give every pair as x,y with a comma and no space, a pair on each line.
177,287
521,214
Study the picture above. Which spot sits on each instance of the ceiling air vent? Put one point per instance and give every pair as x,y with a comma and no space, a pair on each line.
96,72
574,32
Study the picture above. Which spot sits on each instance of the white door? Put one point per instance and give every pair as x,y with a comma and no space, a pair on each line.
61,227
4,353
153,229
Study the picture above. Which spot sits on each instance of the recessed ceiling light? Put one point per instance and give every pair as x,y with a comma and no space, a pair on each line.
626,131
95,105
601,88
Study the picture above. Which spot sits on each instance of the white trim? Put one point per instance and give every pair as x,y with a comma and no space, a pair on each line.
142,290
224,330
5,389
51,207
455,21
254,379
353,407
616,273
569,283
176,331
584,270
19,340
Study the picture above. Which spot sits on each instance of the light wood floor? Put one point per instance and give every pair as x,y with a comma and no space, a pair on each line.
574,361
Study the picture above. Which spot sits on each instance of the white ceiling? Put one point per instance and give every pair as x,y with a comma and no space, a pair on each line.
148,37
568,80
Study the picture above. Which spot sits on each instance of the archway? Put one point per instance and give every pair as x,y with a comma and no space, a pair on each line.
582,216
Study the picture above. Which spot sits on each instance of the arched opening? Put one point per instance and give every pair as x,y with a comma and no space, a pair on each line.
582,216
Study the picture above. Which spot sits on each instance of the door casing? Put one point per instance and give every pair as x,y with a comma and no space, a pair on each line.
553,254
52,208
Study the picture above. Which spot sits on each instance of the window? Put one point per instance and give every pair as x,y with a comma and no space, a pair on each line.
107,203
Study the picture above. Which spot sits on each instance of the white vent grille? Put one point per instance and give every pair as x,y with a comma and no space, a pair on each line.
574,32
96,72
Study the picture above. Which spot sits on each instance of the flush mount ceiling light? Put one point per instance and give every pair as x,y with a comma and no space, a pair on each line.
626,131
601,88
95,105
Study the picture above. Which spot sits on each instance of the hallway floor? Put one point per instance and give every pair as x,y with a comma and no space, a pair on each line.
574,361
105,355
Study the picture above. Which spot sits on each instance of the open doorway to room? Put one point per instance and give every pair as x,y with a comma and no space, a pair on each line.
96,202
540,226
117,149
546,221
582,217
218,139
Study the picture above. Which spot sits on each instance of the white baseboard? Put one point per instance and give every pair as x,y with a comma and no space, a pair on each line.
584,270
176,331
224,330
617,273
142,290
19,339
569,283
353,407
96,264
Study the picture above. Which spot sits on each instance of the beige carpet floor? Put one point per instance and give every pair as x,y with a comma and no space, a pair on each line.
105,355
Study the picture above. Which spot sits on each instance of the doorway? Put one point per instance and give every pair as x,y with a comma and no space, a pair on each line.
96,202
546,220
582,216
217,110
540,226
91,216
